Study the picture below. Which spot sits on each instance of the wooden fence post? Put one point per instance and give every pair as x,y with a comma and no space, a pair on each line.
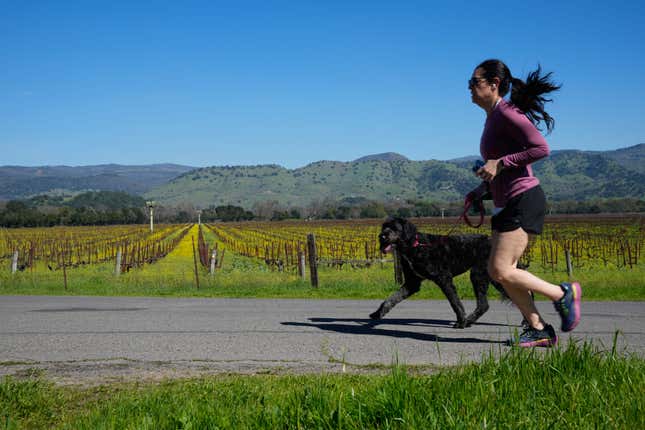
221,259
567,256
313,265
398,275
32,254
14,262
117,269
65,271
195,262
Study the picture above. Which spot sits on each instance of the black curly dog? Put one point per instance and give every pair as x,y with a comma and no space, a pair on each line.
438,259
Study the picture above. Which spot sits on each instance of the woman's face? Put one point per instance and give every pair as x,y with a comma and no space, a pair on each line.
481,91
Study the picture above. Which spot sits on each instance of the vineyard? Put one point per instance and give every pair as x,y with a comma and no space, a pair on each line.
58,247
611,241
184,254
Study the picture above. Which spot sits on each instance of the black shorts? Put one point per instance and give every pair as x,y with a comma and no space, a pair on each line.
525,210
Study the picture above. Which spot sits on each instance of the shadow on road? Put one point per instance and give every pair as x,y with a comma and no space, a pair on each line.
370,329
425,322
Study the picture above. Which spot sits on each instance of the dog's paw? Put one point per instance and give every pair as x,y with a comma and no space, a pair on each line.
459,324
376,315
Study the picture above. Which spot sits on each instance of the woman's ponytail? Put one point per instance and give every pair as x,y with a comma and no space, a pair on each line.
526,96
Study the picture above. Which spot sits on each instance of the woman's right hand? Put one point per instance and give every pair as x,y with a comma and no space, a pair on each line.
490,169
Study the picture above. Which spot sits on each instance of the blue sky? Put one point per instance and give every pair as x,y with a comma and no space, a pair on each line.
292,82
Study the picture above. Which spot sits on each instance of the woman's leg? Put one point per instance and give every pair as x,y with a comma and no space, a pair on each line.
507,248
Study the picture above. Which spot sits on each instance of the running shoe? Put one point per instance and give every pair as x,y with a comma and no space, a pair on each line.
568,307
531,337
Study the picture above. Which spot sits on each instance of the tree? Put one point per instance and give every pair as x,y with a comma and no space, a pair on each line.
265,209
373,210
15,206
232,213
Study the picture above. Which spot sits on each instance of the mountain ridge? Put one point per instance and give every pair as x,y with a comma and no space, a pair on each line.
566,174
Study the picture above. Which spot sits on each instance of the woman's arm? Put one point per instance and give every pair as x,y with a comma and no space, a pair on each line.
522,130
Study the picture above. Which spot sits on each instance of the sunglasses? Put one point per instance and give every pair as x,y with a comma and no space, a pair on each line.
474,81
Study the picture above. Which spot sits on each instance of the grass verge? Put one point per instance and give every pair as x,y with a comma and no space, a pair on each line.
244,278
576,386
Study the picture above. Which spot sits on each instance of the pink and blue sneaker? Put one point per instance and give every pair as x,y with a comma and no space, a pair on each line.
532,337
568,307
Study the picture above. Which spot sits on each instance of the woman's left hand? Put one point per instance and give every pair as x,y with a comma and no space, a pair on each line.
490,169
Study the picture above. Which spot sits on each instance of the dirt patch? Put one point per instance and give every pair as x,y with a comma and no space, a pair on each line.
90,373
94,372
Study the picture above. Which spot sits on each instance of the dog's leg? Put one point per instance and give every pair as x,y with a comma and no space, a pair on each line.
480,280
448,288
411,285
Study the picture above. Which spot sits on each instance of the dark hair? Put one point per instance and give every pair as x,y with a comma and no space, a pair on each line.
526,96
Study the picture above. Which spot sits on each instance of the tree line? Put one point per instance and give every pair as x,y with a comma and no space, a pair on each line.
108,209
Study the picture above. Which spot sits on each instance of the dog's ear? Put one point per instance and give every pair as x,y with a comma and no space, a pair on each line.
398,223
409,230
389,220
396,219
394,223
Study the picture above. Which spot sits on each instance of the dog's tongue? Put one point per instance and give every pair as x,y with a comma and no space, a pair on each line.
388,249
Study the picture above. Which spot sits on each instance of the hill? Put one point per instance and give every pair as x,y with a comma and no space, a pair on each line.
386,156
97,200
379,180
22,182
565,175
632,158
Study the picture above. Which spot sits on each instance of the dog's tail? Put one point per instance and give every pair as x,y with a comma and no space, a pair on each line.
498,286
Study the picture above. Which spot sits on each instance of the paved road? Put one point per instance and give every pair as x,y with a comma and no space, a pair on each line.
77,339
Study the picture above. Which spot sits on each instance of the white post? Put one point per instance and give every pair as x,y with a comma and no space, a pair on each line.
151,205
117,270
301,264
213,260
14,263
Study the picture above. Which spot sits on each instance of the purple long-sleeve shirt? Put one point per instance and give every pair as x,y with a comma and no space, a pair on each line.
509,135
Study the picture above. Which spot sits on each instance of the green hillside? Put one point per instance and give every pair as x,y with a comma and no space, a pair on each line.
17,182
632,158
575,175
378,180
565,175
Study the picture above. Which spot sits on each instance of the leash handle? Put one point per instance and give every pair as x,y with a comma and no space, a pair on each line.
480,208
464,215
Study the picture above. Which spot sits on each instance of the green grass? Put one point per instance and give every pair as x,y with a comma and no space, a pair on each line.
242,277
577,387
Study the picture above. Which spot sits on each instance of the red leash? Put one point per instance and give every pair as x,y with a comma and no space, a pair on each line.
480,208
464,216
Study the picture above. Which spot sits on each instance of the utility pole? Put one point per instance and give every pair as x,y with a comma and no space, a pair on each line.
150,205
